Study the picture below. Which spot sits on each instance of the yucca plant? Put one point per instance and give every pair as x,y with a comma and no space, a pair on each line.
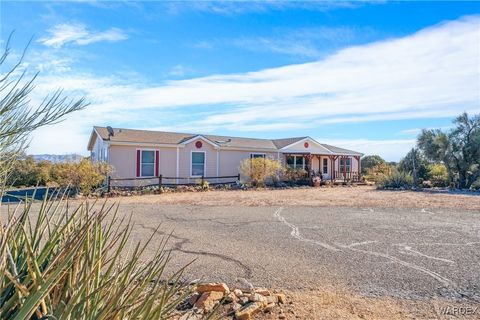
59,263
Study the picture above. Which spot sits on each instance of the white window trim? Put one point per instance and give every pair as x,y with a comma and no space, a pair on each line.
154,162
258,154
204,163
295,162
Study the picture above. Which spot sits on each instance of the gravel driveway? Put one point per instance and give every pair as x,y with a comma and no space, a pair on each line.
406,253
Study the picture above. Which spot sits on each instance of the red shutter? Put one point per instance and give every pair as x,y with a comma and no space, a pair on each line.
138,163
157,161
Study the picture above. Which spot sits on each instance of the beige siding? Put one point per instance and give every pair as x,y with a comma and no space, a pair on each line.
185,158
230,160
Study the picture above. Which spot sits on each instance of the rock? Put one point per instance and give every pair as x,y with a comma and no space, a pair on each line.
263,292
238,292
282,298
271,299
255,297
193,298
231,297
244,285
190,316
208,300
281,316
247,311
207,287
235,306
243,300
269,307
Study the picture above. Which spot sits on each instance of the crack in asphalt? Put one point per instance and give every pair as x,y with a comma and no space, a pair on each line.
215,220
295,233
178,246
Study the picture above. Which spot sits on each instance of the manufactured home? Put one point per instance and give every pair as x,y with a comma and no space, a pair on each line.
149,154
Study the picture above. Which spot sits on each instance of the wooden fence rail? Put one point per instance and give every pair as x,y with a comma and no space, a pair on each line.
161,179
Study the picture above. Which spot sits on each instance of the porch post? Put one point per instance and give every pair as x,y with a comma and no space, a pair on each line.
359,166
319,164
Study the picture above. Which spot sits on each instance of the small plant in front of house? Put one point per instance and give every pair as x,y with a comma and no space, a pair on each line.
260,171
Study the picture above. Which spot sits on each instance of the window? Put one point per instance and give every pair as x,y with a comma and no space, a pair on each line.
325,166
298,162
257,155
345,165
198,164
147,162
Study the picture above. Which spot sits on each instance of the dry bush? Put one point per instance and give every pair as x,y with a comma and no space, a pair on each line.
260,171
83,176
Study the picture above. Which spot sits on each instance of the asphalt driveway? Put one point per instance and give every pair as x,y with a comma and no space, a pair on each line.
408,253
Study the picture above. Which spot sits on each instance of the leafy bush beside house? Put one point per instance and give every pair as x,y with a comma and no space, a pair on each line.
259,171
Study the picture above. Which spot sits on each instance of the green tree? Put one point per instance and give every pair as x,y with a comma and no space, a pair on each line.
371,161
458,149
416,164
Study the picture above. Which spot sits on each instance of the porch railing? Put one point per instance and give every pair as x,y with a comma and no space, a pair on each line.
353,176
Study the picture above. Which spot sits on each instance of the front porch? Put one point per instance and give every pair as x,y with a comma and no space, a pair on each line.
334,168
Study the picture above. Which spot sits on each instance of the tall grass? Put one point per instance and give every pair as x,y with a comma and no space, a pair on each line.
59,263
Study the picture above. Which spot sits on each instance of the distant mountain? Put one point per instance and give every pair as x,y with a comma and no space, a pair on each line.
56,158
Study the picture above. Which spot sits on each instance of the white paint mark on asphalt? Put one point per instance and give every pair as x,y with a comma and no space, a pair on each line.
410,250
295,233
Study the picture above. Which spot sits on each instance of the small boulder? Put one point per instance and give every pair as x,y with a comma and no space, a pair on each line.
244,285
282,298
208,300
247,311
238,292
207,287
255,297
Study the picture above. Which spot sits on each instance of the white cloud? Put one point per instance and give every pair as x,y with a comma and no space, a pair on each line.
390,150
64,33
433,73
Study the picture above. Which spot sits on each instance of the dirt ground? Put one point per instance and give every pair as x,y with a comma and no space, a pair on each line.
355,196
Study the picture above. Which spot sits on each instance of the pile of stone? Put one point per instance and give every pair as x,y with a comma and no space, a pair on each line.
240,304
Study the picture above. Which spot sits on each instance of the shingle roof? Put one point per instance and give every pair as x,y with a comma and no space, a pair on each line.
338,150
281,143
146,136
149,136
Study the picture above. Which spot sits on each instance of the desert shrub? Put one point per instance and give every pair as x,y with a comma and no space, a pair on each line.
63,264
476,185
259,171
426,184
28,172
294,175
83,176
396,180
438,175
379,172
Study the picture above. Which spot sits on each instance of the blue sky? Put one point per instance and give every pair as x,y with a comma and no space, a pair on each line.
362,75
